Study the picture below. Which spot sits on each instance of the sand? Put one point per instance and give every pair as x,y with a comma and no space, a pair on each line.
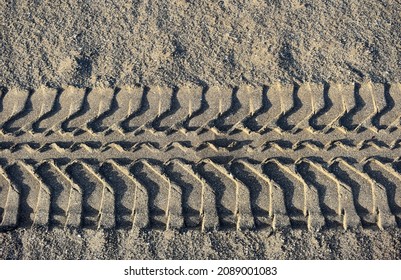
224,44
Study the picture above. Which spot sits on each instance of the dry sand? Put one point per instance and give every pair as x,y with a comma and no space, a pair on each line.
121,244
228,43
85,43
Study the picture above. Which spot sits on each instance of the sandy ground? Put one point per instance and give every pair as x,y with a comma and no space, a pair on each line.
113,43
291,244
117,42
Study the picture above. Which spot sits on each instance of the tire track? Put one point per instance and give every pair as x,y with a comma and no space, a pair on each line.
299,156
212,193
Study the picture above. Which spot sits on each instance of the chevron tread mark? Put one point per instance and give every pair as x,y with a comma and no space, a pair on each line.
260,191
311,101
213,193
198,197
191,157
289,108
34,203
9,202
68,103
128,101
391,114
232,196
362,187
164,195
66,199
98,196
389,181
132,208
184,103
